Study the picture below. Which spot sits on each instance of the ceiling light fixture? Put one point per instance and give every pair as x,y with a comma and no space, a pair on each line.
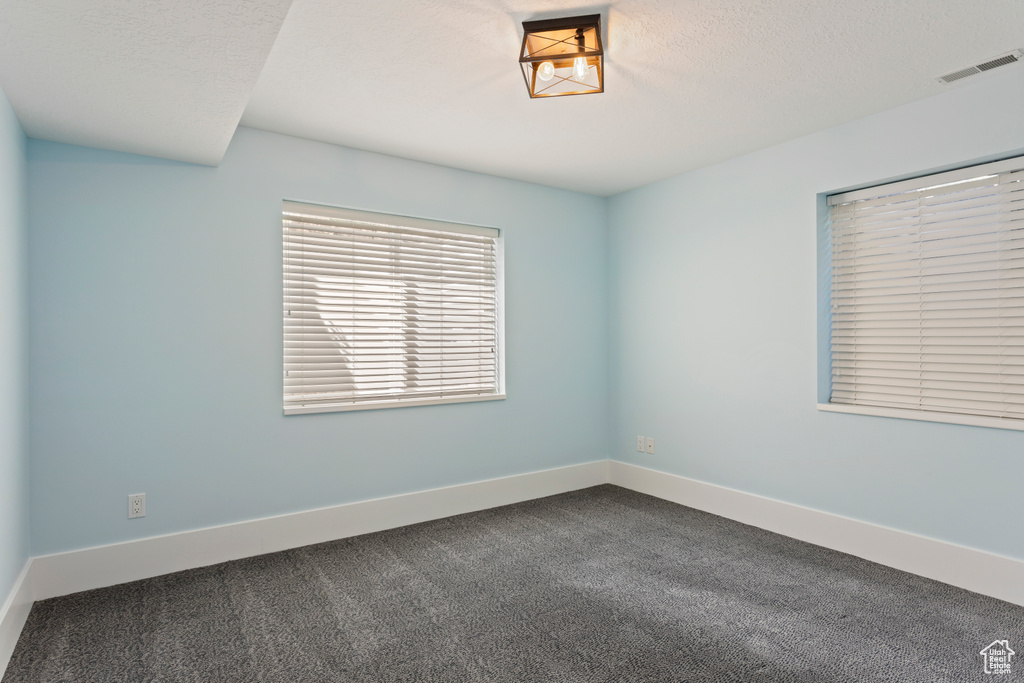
563,56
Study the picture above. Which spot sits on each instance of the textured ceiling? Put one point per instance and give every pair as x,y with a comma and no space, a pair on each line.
688,82
166,78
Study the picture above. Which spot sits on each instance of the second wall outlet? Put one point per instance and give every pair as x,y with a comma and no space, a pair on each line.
136,505
650,445
640,444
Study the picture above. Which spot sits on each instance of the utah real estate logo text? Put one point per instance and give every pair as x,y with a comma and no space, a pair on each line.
997,657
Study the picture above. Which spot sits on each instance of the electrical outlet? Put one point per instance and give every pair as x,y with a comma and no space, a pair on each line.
640,444
650,445
136,505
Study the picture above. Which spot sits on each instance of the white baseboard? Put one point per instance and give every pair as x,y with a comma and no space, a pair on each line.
13,615
50,576
108,565
976,570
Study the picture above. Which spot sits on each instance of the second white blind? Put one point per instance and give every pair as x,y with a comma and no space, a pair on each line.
928,293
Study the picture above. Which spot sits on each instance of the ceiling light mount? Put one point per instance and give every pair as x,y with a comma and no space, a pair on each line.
563,56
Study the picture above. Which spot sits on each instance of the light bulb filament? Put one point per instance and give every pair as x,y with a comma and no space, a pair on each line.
580,68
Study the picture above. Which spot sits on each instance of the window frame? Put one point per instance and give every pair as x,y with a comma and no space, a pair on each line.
398,222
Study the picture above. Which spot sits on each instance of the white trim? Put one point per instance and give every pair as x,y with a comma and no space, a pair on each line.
925,416
97,567
13,615
50,576
976,570
374,405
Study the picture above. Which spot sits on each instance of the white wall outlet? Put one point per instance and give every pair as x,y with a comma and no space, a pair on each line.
650,445
136,505
640,444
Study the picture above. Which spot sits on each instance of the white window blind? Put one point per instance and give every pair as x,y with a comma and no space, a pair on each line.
928,293
382,310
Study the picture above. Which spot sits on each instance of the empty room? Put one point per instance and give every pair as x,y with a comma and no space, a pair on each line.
472,341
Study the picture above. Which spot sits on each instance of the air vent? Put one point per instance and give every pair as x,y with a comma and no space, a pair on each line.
1002,60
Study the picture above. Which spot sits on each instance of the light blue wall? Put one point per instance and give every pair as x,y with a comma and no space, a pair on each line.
156,328
14,466
714,330
155,293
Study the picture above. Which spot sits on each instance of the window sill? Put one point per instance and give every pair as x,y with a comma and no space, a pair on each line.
947,418
377,405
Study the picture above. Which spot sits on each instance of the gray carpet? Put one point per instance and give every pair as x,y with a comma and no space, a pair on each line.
597,585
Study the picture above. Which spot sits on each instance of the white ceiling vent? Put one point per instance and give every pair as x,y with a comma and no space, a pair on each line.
1001,60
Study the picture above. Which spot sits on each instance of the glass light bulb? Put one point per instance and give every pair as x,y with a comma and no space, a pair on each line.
545,71
580,68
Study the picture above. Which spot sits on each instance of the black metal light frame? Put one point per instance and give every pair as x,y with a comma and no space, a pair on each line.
562,51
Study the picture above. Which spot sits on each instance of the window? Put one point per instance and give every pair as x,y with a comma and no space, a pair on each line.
927,296
383,311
